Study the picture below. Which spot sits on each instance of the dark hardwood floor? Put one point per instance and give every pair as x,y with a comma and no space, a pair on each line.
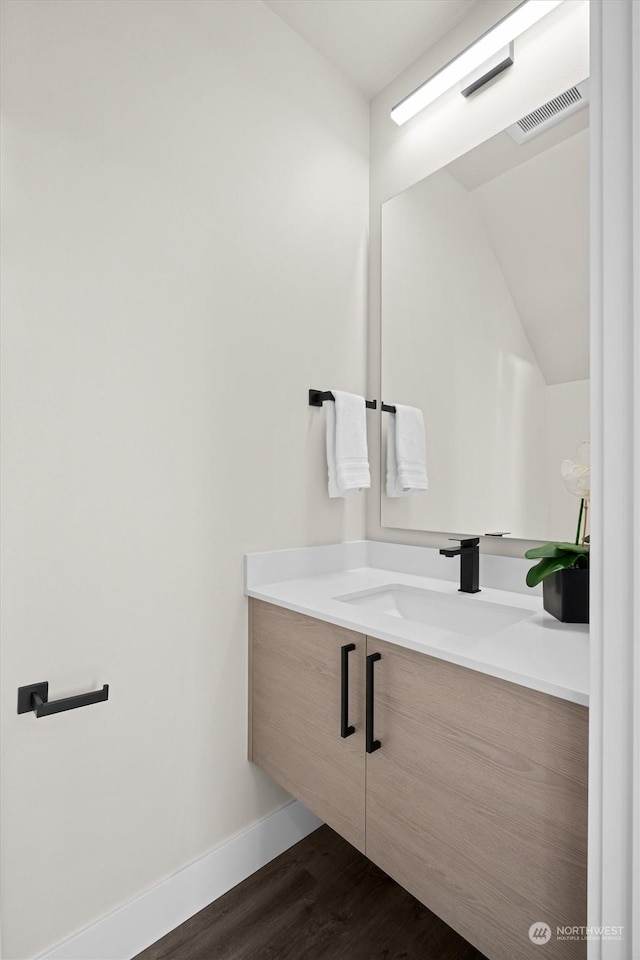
321,900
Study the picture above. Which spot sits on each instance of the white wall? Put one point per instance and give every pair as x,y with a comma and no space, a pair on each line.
550,57
614,697
185,213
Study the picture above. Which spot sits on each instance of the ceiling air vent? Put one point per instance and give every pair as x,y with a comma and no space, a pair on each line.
549,113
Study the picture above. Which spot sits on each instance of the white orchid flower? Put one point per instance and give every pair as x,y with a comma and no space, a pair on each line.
577,473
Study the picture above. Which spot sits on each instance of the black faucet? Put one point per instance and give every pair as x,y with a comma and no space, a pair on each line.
469,553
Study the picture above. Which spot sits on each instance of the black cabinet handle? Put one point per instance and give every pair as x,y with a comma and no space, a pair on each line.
372,744
345,729
35,697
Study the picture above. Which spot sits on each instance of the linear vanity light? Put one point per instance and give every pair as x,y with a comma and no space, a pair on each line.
484,48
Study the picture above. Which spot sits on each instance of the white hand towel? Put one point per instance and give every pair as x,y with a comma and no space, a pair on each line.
406,453
347,455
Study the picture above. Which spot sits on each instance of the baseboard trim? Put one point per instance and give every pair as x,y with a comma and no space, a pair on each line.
139,923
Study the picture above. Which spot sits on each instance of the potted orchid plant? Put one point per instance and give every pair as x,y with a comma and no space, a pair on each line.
563,568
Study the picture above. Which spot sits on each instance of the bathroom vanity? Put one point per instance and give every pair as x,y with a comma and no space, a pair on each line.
456,761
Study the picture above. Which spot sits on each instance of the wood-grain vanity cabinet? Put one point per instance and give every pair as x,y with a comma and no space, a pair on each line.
476,799
295,713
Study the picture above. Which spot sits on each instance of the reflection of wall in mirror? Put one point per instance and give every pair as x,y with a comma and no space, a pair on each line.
490,351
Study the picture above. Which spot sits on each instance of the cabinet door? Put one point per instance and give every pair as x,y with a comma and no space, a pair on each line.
296,712
477,801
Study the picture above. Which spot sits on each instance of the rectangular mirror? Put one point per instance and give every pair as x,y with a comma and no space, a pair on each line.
485,328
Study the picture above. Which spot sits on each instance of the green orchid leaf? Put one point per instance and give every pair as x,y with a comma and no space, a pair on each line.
554,550
546,550
547,566
572,547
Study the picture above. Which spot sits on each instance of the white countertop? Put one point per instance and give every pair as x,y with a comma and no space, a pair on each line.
538,651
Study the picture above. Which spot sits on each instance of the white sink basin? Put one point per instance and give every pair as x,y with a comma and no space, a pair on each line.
460,613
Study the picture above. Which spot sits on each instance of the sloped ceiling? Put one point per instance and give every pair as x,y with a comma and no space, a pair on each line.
371,41
537,216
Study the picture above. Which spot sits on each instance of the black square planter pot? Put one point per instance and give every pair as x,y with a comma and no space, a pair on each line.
565,595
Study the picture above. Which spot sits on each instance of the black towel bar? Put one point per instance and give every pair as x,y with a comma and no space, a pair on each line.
387,408
317,398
